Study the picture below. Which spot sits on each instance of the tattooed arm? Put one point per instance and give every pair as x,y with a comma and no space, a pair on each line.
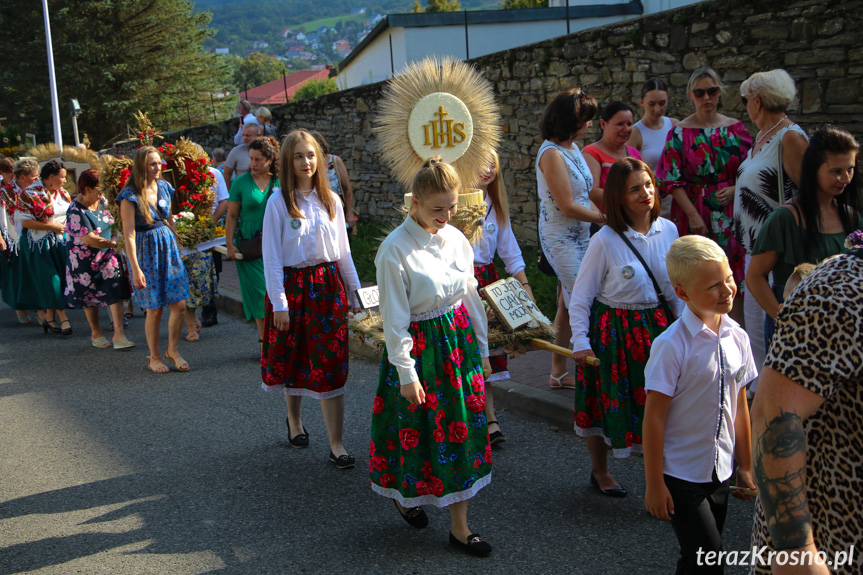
779,449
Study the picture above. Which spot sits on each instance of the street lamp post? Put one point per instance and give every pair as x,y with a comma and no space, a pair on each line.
75,109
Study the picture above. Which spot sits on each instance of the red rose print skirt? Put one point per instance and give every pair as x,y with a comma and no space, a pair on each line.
311,358
609,399
438,453
486,275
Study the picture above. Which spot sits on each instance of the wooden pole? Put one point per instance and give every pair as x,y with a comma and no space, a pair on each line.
542,344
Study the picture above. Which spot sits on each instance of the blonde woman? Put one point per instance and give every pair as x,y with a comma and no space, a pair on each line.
159,277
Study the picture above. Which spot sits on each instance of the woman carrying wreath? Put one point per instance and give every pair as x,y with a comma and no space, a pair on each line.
430,442
615,313
159,278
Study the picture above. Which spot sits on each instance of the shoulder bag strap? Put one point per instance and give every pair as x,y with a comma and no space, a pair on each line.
661,296
781,173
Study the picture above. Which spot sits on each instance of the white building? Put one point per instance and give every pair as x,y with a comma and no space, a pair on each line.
399,39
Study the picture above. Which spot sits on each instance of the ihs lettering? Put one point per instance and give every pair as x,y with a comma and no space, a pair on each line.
442,133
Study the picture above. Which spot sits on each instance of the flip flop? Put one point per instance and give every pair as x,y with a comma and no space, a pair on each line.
558,384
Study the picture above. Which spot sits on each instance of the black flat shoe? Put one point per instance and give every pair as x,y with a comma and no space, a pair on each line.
497,436
48,328
415,516
618,491
66,330
475,545
342,461
299,441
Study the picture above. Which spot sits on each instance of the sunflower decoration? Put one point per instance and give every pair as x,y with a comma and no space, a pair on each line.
441,106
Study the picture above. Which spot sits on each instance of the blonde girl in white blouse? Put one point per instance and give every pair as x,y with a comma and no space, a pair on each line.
430,441
310,278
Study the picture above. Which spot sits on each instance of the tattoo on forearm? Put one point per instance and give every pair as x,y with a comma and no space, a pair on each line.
780,472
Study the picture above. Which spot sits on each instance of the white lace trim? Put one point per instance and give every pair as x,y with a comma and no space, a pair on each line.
312,263
597,432
433,500
629,306
303,392
435,312
499,376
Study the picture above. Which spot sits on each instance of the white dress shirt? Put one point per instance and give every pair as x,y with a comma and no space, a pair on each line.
420,272
684,364
248,119
611,273
301,242
497,239
221,188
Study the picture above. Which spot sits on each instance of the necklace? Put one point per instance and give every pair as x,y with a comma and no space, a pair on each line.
760,137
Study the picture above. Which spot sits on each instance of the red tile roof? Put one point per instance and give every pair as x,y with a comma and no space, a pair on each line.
274,92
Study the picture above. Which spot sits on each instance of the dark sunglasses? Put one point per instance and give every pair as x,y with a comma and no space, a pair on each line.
745,100
712,91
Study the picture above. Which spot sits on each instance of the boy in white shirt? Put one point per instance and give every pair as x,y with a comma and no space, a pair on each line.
696,420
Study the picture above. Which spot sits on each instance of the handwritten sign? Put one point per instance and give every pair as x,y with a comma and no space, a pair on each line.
512,304
369,297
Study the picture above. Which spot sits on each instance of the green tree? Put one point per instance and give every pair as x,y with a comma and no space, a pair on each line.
257,69
115,57
441,5
509,4
314,88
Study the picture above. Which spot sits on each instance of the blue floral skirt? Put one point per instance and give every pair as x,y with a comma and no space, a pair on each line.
203,288
438,453
162,264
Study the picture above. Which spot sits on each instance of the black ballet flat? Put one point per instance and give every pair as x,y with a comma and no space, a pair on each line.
496,437
300,441
66,330
415,516
346,461
618,491
476,545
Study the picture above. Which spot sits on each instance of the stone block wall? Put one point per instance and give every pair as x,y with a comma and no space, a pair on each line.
812,39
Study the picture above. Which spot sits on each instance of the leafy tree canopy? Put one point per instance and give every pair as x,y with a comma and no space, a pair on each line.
115,57
314,88
437,6
509,4
257,69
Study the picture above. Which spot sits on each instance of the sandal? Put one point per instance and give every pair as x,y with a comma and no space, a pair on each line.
192,336
151,359
184,366
558,383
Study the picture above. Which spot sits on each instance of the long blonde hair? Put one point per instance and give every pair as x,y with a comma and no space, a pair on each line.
138,180
497,195
288,179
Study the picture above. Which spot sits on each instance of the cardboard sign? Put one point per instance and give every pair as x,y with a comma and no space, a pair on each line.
512,304
369,297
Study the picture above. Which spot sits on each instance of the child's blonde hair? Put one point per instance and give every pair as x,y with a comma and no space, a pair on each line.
796,277
686,253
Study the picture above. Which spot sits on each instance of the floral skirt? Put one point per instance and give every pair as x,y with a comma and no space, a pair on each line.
95,278
436,454
486,275
609,399
203,288
160,260
311,358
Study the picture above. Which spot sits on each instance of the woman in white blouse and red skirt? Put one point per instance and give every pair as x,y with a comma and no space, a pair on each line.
310,277
497,237
430,441
615,313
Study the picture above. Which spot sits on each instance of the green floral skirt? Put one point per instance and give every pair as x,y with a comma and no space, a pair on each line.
609,399
438,453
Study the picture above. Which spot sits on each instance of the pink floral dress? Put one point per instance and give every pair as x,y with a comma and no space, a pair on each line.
703,161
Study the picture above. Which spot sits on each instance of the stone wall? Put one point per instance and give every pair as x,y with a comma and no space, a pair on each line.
812,39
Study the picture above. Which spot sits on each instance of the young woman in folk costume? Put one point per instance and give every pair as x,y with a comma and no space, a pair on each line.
497,237
430,442
309,276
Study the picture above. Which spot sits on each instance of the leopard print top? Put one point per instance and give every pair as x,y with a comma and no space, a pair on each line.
819,345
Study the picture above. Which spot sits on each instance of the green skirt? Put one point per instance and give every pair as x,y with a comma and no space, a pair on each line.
609,399
41,273
438,453
252,287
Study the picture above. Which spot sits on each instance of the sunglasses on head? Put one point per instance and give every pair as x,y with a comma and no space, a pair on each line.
700,92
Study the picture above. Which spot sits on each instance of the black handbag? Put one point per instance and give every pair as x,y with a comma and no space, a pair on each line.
663,303
253,248
544,265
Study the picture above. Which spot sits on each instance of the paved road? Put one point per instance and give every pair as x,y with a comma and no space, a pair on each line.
106,468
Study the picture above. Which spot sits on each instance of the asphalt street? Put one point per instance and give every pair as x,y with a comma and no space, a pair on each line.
107,468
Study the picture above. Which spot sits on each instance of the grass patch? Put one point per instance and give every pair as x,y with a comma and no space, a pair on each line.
368,236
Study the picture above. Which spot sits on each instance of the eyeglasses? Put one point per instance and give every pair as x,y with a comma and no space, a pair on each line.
700,92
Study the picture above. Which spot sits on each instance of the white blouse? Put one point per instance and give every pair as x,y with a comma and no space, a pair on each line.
500,240
419,272
611,273
300,242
